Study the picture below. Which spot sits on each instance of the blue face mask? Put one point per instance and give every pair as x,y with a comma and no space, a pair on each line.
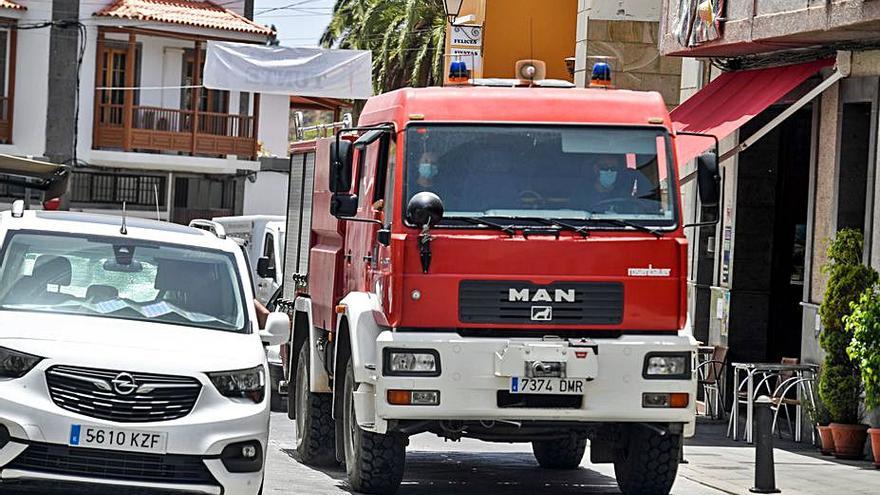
607,178
427,170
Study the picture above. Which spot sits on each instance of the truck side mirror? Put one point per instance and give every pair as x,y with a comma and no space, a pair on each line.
708,179
343,205
383,236
424,209
264,268
340,166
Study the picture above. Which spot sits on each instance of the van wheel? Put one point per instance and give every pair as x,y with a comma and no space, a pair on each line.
315,431
560,454
374,463
648,462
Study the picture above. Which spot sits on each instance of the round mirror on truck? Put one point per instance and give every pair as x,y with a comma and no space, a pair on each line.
424,209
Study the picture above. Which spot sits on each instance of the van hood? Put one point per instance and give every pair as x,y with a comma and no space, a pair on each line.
113,343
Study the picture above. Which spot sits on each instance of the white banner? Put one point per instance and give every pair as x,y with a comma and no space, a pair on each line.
318,72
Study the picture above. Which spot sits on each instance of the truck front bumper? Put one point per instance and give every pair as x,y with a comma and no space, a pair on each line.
475,376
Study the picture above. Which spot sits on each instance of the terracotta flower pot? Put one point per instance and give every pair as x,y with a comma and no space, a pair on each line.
875,445
827,439
849,440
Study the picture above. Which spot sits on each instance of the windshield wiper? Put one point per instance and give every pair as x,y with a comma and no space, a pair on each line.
626,223
507,229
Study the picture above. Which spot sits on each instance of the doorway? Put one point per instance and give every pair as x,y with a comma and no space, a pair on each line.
767,281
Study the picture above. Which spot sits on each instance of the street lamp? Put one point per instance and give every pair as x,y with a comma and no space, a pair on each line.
453,8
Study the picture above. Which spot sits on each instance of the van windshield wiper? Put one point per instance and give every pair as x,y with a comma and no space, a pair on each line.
626,223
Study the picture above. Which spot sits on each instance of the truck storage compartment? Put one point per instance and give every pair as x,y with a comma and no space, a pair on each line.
299,221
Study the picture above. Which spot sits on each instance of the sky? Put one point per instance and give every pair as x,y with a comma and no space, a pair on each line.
299,22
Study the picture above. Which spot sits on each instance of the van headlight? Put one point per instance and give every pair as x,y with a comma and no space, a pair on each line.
15,364
667,366
411,362
241,384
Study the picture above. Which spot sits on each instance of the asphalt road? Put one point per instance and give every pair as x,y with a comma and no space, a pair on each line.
433,467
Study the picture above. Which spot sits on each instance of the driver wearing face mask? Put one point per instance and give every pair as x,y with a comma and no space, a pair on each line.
427,171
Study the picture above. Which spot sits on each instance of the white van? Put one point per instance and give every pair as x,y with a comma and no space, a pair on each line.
130,356
262,238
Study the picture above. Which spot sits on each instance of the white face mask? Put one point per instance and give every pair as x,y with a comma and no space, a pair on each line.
427,170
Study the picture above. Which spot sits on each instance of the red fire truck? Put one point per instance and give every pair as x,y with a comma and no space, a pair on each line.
501,263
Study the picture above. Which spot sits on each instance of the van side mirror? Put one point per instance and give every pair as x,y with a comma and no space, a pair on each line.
708,179
343,205
340,166
277,329
264,268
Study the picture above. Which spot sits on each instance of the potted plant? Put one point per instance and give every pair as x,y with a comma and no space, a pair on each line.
864,349
819,417
840,384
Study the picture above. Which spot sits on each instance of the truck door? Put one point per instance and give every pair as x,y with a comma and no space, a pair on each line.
361,250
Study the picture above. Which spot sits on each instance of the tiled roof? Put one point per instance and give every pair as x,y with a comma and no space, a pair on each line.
8,4
203,14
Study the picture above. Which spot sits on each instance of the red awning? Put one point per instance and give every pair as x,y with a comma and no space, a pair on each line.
731,100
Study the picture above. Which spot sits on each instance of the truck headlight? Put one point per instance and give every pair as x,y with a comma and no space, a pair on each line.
667,365
15,364
411,362
244,384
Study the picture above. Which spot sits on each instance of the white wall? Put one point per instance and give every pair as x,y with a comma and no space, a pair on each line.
31,84
623,10
267,196
275,124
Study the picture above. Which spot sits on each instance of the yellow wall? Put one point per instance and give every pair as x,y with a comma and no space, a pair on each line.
506,34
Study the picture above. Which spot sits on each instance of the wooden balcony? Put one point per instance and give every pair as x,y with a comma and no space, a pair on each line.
155,129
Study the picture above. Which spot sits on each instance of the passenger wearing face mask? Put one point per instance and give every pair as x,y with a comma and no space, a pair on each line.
613,181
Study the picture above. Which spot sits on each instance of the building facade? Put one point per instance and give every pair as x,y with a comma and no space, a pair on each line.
793,86
112,89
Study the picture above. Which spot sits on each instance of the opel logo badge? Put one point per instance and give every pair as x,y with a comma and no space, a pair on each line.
124,384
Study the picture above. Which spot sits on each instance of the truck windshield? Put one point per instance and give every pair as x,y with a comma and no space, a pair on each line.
120,278
594,176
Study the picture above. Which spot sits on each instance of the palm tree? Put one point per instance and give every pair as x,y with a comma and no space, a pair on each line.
406,38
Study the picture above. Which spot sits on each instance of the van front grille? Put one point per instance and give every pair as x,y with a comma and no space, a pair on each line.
123,397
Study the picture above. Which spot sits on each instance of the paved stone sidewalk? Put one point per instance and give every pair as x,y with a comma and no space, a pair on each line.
721,464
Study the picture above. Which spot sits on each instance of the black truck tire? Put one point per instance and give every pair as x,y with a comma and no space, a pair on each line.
560,454
648,462
374,462
315,430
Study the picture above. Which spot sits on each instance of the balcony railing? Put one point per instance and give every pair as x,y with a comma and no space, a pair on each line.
159,129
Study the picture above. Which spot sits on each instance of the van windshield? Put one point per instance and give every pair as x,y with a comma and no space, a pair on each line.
120,278
594,175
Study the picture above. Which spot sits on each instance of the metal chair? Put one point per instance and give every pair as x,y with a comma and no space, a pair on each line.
764,384
710,376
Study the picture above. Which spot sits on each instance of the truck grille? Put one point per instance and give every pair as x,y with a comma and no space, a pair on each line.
559,303
114,465
122,397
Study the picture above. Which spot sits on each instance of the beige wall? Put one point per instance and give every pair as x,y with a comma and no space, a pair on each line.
632,45
825,204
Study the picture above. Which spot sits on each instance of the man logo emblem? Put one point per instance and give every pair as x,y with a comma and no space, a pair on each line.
124,384
542,313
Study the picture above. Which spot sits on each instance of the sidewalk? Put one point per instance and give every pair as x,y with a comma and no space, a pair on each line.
717,462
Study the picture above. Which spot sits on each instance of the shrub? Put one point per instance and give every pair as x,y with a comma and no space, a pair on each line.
840,382
864,349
